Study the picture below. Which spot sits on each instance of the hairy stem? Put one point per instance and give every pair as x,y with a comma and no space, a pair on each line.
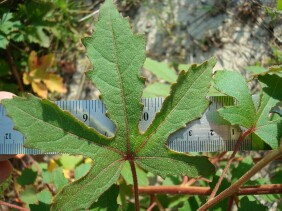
196,190
238,144
274,154
135,185
13,206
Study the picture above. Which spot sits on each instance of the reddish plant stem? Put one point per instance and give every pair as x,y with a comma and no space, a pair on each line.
230,203
135,185
13,206
274,154
218,158
14,69
236,199
238,144
245,190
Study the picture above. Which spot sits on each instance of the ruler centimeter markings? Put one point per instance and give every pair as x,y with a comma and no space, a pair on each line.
198,136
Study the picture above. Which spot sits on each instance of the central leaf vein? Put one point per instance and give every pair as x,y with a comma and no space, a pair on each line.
121,85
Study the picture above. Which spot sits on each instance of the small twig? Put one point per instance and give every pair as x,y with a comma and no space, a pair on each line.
135,185
218,158
185,179
240,140
88,16
152,206
191,182
195,190
13,206
3,1
274,154
14,69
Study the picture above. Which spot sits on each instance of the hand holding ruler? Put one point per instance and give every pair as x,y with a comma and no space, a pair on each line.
201,135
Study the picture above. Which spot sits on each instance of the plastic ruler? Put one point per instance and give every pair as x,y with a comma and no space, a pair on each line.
200,135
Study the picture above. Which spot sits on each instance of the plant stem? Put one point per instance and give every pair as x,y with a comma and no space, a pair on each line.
238,144
196,190
135,185
14,69
274,154
13,206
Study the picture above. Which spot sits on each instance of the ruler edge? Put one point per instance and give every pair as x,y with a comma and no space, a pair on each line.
22,149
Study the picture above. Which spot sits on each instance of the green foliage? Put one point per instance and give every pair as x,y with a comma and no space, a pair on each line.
261,71
279,5
164,72
9,30
117,55
27,177
246,114
39,26
246,204
106,201
166,75
161,70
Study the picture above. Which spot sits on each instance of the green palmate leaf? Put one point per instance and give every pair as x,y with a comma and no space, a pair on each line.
246,114
117,55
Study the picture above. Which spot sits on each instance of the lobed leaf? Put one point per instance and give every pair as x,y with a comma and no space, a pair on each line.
245,113
50,129
187,101
117,55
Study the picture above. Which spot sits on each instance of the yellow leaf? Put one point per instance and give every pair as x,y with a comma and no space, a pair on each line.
38,75
55,83
88,160
67,173
26,78
32,60
46,61
40,89
52,165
